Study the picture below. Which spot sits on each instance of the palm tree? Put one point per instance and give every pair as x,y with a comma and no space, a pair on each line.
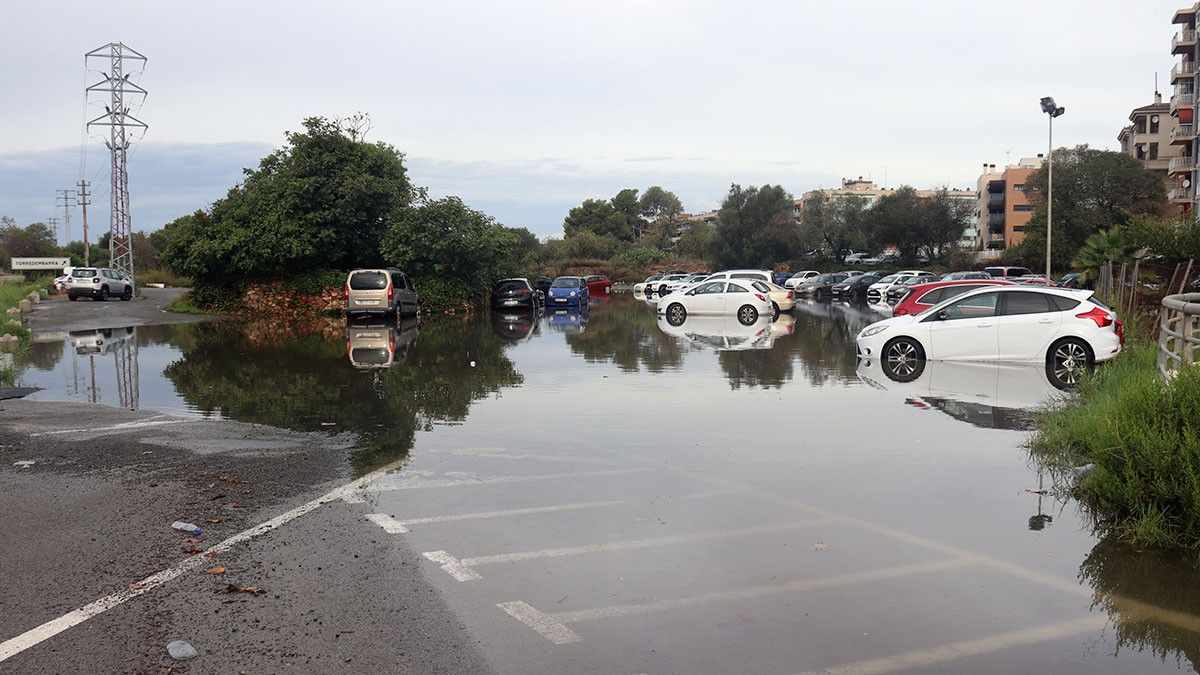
1102,248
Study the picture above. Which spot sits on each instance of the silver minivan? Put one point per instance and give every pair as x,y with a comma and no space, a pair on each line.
379,291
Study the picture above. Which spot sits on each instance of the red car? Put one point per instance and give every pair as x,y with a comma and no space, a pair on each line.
598,284
923,296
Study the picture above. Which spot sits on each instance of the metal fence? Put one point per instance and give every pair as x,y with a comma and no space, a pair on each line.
1179,332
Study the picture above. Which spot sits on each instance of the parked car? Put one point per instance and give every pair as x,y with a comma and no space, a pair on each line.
820,285
371,347
1007,272
963,276
515,292
99,283
598,284
1067,330
877,291
924,296
640,287
1036,279
567,292
799,278
778,278
719,296
379,292
1075,280
855,287
782,300
856,259
666,284
60,282
902,286
759,275
677,282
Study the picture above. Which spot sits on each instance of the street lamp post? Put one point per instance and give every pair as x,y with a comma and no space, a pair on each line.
1052,110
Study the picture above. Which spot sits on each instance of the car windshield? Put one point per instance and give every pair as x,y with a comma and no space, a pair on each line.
511,285
595,277
368,281
888,278
566,282
761,287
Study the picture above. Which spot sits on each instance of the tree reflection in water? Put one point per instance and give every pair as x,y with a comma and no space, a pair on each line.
624,331
300,378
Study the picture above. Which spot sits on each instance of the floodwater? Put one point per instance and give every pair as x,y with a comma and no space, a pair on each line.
603,492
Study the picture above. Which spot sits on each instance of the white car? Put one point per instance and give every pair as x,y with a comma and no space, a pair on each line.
799,278
736,297
686,282
856,258
722,333
877,291
640,287
665,284
1069,330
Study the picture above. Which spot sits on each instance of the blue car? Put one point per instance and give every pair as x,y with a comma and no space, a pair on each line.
567,292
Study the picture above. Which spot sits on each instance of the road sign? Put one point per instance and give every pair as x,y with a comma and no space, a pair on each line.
40,263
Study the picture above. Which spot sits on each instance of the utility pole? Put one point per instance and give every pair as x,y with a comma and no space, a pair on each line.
66,199
83,199
118,120
53,223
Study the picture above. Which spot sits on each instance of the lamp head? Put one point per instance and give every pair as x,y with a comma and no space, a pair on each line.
1048,105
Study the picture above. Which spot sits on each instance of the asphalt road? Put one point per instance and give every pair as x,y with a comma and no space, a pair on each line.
95,579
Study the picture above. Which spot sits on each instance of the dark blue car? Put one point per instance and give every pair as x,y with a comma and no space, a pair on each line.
567,292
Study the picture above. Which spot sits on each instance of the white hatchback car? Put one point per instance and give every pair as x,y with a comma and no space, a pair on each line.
737,297
1069,330
877,292
799,278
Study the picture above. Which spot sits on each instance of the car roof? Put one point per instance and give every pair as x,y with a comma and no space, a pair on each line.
1074,293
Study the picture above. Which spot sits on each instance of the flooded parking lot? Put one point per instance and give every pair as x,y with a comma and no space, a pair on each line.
604,492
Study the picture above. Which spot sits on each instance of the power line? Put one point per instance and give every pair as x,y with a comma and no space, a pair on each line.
118,120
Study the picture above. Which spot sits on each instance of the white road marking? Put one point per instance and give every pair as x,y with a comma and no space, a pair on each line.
420,482
452,566
508,512
762,591
545,626
39,634
388,523
354,498
925,658
124,426
501,453
630,544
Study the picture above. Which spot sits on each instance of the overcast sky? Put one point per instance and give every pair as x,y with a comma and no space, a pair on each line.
526,108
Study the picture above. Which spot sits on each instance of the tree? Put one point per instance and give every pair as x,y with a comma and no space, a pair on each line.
32,241
1172,239
449,241
619,217
898,219
658,205
945,219
838,226
755,228
1093,190
626,204
1102,248
586,244
319,202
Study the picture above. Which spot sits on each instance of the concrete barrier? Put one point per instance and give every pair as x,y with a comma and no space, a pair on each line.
14,313
25,306
34,298
9,343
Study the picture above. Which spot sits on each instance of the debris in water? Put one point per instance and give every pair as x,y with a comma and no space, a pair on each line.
25,463
191,529
181,651
820,546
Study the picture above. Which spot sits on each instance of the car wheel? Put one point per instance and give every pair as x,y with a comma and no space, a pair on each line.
103,294
72,297
903,359
1066,360
775,311
747,315
128,294
676,314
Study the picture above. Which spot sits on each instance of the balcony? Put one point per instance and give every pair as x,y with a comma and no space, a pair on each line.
995,199
995,219
1183,133
997,238
1182,101
1183,71
1179,195
1181,165
1183,42
1186,16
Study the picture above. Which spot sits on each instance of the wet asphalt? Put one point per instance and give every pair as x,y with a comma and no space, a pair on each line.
87,496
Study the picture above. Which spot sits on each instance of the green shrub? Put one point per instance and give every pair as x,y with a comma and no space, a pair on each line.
440,294
162,275
641,256
1142,434
216,297
316,281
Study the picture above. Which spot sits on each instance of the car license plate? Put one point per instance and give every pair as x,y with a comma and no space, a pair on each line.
560,299
510,302
366,302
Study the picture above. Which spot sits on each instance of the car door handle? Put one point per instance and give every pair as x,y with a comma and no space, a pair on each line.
985,325
1046,321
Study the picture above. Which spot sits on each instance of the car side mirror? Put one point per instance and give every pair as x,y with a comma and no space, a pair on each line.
943,315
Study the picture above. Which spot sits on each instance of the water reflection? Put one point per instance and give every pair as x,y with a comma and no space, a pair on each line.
380,345
624,333
989,395
721,333
514,325
570,321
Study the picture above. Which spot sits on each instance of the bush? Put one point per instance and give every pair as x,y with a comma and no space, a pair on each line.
314,282
641,256
440,295
1142,434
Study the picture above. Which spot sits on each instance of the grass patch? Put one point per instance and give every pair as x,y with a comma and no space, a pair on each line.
185,305
1142,435
162,275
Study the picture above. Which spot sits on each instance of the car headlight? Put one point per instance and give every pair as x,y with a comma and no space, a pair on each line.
572,294
873,330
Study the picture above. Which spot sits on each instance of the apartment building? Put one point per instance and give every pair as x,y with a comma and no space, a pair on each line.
1181,170
1002,208
1148,136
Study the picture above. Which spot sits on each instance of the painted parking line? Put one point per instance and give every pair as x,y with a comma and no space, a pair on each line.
483,515
417,482
443,558
388,523
554,626
123,426
925,658
501,453
34,636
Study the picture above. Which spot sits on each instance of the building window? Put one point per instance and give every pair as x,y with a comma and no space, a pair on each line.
1022,207
1018,228
1154,124
1139,124
1154,149
1141,151
1019,187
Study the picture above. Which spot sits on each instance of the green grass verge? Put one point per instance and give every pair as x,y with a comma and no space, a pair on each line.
1142,435
11,294
162,275
184,305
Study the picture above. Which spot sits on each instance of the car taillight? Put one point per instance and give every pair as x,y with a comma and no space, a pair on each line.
391,291
525,291
760,297
349,350
1102,318
1121,331
791,295
899,311
346,293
